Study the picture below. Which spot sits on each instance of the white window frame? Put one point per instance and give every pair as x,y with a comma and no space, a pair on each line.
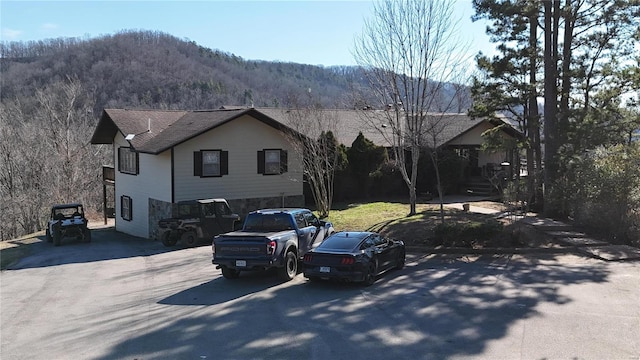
211,162
127,161
272,162
125,208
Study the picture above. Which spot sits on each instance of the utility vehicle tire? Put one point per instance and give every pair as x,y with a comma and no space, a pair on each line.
290,268
168,240
230,273
189,238
372,271
48,235
57,237
86,235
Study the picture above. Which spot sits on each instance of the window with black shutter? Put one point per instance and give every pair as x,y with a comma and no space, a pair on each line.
126,211
272,162
128,161
210,163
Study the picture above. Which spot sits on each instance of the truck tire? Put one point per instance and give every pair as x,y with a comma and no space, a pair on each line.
189,238
290,268
230,273
48,235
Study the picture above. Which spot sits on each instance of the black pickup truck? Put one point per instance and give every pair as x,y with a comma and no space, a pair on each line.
269,238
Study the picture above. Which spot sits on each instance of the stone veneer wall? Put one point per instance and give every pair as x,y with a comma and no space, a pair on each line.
159,209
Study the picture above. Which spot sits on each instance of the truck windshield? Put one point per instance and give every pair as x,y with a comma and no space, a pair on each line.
268,222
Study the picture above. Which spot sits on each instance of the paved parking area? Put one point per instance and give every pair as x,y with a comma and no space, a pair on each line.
127,298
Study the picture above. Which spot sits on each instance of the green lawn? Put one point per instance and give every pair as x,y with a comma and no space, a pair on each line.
390,219
370,216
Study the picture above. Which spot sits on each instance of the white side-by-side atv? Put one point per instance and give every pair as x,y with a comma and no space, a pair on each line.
67,220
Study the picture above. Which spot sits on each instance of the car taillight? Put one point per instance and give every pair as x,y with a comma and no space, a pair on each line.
347,261
271,247
308,257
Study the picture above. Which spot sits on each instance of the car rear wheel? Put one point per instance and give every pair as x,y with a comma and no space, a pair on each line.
290,269
189,238
372,270
230,273
400,260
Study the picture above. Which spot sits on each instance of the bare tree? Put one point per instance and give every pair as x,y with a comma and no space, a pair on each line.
64,112
410,52
435,127
46,156
313,140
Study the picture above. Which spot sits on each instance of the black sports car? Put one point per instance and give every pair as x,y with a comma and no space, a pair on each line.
354,256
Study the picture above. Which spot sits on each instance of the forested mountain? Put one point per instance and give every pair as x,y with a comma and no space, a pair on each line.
147,69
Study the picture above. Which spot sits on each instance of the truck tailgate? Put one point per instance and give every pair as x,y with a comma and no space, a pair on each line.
241,246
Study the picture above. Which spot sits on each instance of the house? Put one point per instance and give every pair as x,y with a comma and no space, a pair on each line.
244,155
455,131
164,156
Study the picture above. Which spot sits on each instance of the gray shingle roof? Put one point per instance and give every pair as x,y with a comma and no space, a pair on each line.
158,130
374,124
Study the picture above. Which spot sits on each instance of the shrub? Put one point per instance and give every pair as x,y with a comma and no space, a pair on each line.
602,192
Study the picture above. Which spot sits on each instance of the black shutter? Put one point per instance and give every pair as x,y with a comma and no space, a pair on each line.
260,162
224,163
137,163
197,163
120,159
284,166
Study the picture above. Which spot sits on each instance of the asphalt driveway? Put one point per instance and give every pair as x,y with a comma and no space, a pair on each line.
121,297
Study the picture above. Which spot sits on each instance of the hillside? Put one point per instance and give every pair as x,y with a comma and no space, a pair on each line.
144,69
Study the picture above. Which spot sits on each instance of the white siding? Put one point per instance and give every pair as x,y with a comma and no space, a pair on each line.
242,138
474,137
152,181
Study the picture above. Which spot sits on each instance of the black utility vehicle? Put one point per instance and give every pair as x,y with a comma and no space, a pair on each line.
197,219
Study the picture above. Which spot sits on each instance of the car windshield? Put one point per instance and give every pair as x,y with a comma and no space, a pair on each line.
268,222
340,242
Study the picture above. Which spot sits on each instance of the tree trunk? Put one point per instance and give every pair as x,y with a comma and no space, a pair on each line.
550,107
533,119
